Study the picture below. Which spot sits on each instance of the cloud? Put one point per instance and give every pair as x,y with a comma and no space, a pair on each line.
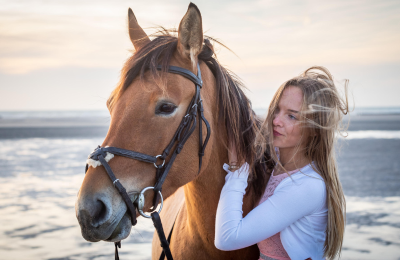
275,40
34,35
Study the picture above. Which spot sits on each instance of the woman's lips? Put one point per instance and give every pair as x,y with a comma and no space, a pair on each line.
277,133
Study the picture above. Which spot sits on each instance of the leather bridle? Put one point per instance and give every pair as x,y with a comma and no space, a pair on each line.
185,129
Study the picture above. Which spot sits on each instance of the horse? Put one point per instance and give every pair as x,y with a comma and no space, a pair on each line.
146,108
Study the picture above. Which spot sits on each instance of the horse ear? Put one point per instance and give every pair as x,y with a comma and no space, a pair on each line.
138,37
190,34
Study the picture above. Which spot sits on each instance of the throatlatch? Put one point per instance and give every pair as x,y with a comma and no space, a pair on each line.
182,134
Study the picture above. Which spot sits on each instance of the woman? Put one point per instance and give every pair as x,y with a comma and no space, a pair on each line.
302,212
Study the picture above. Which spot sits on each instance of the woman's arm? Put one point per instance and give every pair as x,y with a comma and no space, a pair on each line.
288,204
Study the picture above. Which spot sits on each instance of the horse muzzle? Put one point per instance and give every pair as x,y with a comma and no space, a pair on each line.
103,218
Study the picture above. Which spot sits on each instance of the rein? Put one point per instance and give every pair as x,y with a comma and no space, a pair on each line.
182,134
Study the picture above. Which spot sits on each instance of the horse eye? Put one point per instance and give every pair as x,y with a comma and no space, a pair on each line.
165,109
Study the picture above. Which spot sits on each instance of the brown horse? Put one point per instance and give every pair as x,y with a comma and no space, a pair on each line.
146,108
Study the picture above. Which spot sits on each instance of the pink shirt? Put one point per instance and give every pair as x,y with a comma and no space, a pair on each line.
272,246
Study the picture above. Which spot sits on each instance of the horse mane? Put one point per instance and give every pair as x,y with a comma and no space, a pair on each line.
234,107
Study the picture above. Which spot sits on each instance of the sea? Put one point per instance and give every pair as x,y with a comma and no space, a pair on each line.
42,159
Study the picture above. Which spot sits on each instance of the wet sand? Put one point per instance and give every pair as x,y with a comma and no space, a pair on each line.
54,127
373,122
98,126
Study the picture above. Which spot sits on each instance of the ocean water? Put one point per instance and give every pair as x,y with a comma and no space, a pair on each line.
42,159
39,185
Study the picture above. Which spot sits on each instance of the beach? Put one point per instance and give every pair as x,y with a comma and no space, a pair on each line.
42,160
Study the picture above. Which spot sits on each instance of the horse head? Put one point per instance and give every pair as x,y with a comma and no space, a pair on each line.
146,108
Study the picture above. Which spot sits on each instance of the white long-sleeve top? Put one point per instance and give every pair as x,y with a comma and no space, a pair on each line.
297,209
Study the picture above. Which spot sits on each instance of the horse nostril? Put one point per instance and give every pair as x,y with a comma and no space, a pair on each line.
100,214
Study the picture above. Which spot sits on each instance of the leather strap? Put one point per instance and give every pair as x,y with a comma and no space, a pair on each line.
122,152
185,73
162,256
117,245
160,231
203,145
183,135
121,189
185,129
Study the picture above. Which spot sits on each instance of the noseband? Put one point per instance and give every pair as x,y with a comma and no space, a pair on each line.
185,129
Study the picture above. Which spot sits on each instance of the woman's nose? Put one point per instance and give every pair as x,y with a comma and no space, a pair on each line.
277,121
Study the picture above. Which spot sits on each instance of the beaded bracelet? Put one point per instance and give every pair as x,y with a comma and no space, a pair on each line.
233,167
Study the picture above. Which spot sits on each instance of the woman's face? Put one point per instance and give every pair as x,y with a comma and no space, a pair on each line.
286,123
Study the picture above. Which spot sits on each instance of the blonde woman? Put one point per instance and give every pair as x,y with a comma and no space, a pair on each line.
302,212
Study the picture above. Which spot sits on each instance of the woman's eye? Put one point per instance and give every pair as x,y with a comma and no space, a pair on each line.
165,109
292,117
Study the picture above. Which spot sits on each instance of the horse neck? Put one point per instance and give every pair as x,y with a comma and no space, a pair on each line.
202,195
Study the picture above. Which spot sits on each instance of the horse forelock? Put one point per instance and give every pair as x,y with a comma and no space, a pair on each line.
233,106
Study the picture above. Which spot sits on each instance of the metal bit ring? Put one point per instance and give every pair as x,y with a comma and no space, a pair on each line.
161,165
140,202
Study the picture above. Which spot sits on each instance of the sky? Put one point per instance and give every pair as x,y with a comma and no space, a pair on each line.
67,54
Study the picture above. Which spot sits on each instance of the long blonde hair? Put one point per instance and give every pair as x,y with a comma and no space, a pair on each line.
321,118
